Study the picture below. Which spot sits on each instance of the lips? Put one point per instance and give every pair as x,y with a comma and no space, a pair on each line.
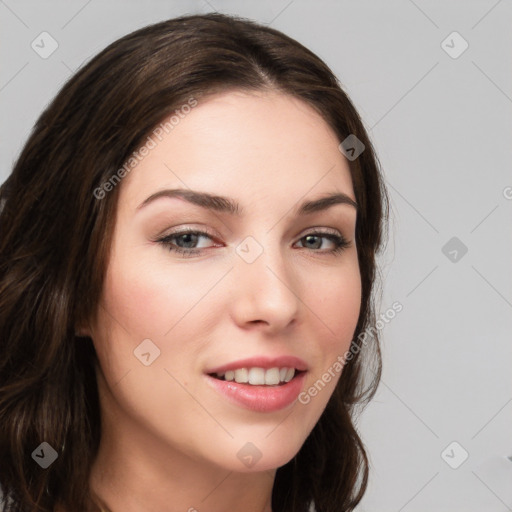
261,399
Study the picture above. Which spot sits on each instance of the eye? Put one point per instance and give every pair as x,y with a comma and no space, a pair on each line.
339,242
187,237
185,242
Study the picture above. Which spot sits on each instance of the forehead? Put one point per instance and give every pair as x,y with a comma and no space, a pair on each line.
252,145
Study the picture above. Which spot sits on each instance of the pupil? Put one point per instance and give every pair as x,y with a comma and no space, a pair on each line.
188,241
309,237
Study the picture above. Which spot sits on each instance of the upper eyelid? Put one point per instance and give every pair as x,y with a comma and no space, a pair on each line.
206,231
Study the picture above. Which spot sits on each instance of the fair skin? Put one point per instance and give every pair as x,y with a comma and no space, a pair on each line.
170,441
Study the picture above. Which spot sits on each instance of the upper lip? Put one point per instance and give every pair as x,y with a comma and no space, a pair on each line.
262,362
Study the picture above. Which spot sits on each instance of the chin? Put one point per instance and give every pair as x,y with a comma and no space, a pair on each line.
260,453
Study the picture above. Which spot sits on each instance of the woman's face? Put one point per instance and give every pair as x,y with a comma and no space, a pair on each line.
263,282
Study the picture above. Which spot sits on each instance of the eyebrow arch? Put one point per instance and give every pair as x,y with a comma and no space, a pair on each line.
226,205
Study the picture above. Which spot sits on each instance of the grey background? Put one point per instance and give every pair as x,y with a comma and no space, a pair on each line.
442,129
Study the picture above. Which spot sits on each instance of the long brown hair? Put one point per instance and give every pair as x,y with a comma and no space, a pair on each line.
56,236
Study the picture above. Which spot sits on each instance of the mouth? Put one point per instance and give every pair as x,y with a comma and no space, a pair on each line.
256,376
259,389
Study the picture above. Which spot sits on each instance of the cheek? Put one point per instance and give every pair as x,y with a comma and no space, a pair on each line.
160,300
151,297
338,305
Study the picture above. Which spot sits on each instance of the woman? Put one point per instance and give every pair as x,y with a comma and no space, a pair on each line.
186,281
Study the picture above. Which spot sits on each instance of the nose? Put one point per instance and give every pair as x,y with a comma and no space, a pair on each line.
265,291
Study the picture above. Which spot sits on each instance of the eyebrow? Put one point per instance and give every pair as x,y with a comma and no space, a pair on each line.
227,205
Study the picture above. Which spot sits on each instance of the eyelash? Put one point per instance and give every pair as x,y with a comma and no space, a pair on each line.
340,243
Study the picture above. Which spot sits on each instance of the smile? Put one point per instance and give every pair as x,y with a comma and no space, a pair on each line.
262,398
258,376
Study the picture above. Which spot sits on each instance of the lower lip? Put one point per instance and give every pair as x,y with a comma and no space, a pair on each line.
260,398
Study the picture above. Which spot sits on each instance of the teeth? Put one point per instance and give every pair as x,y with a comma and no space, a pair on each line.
272,376
242,375
256,376
259,376
289,374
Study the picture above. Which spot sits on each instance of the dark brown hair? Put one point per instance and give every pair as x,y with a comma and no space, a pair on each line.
56,235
